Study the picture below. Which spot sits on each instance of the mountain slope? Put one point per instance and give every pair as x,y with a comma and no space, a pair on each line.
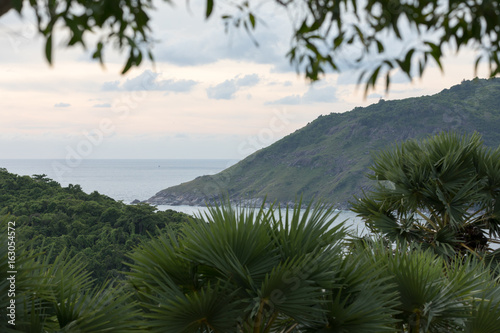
329,157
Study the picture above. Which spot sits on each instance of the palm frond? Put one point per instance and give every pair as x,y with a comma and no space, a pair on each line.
162,253
211,309
435,295
450,180
365,300
236,243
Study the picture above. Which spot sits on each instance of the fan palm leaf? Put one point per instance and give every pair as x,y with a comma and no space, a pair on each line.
435,296
255,270
449,182
364,300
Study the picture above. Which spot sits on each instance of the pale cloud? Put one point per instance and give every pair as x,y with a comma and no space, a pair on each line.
374,95
187,39
145,81
111,86
315,94
248,80
224,90
181,136
400,77
271,48
287,100
228,88
62,105
150,81
348,78
104,105
177,86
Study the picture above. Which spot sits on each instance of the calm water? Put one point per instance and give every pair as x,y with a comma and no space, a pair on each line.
128,180
125,180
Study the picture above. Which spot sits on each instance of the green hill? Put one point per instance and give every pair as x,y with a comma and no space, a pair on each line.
94,226
329,157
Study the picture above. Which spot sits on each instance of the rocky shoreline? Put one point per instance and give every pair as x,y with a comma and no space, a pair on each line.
176,199
192,199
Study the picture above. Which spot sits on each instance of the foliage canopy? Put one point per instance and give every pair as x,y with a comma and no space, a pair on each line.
97,228
324,31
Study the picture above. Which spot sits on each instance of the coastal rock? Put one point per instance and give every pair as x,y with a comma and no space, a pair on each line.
178,199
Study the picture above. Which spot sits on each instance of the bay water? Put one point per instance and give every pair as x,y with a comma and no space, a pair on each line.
131,179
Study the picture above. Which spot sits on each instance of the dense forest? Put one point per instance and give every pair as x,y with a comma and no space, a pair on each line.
93,225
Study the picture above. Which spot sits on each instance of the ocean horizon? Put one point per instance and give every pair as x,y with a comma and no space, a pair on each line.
131,179
120,179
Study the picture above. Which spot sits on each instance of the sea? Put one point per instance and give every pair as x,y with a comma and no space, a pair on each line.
134,179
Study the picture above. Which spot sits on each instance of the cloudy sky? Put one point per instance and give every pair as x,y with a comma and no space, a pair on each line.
210,94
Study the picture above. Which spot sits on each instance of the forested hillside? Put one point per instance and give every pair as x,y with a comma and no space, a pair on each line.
329,157
99,228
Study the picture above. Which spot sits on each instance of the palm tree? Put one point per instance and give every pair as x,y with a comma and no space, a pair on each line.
432,293
442,192
261,271
237,270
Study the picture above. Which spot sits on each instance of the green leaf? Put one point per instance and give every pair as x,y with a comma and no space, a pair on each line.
476,64
98,53
251,17
406,64
210,7
17,5
380,46
387,81
372,80
128,65
48,49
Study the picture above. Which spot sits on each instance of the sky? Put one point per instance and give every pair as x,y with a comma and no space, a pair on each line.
210,93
